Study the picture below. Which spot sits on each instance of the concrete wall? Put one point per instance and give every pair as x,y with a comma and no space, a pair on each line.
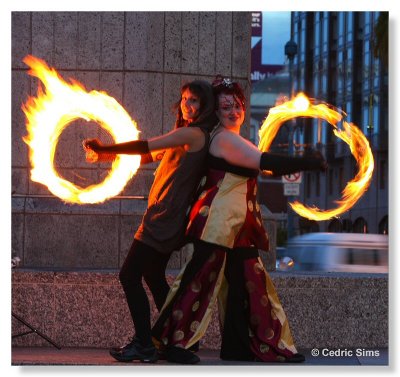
141,59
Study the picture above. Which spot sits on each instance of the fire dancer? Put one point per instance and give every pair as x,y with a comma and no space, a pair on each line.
163,225
226,230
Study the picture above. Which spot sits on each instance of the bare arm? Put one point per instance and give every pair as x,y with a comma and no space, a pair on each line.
236,150
191,137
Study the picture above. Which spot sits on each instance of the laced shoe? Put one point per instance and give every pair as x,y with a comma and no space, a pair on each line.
135,351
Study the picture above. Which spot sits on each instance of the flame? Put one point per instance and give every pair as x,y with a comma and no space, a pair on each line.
300,106
301,102
51,111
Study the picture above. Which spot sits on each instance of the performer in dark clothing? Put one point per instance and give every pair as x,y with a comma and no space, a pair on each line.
163,225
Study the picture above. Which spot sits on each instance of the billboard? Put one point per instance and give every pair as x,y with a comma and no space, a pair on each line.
259,69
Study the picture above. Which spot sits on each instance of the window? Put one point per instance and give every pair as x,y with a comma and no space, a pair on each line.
315,137
340,29
367,22
382,174
366,67
365,114
384,225
349,110
349,69
360,226
302,85
317,36
330,182
335,226
375,113
296,38
340,72
308,185
349,27
375,73
324,83
325,32
347,225
316,83
302,46
341,179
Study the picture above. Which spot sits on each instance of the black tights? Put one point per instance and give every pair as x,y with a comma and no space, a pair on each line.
144,261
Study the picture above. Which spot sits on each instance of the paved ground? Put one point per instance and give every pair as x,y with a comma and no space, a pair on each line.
96,356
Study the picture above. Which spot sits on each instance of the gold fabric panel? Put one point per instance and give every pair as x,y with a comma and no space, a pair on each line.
227,212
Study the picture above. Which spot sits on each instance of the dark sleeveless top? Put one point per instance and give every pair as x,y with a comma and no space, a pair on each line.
221,164
176,180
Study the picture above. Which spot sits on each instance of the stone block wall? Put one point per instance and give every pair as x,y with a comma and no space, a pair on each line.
139,58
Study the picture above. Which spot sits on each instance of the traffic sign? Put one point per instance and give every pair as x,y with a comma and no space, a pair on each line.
292,178
291,189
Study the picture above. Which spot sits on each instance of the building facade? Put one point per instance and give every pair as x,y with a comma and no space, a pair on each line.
335,63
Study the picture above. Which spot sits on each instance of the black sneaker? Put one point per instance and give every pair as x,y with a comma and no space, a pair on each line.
296,358
135,351
180,356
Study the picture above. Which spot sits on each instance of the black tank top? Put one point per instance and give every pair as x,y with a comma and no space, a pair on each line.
219,163
177,177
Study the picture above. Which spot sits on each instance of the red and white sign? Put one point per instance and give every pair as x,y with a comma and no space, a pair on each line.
292,178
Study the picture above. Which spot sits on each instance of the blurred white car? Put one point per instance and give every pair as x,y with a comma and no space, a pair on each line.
345,252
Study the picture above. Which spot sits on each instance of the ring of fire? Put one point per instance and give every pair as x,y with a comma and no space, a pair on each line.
300,106
52,111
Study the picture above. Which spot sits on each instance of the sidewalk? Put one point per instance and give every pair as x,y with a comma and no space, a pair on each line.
98,357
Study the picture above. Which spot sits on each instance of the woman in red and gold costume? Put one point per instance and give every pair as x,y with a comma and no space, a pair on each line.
226,230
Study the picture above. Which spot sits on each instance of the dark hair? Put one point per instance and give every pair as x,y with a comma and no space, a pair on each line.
223,85
203,90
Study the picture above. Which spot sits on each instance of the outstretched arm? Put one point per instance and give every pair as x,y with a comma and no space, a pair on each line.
192,137
239,151
283,165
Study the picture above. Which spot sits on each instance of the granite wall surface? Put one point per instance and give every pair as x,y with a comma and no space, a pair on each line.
88,309
139,58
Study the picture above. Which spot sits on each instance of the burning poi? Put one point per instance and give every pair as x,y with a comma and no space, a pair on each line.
301,106
56,107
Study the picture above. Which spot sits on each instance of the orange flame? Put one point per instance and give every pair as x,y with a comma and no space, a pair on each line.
51,111
301,106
